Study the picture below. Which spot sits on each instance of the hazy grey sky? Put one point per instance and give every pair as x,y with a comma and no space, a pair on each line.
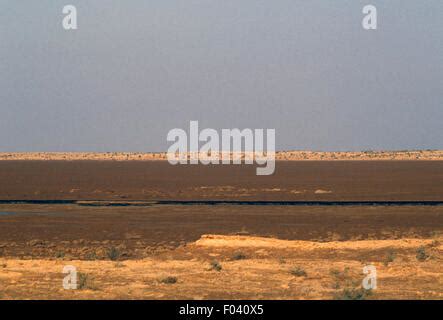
136,69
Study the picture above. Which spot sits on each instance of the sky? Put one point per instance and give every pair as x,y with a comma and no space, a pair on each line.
133,70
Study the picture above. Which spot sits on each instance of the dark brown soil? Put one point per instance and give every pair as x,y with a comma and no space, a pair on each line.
157,180
90,232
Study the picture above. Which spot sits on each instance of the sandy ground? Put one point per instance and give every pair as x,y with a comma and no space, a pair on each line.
280,155
241,267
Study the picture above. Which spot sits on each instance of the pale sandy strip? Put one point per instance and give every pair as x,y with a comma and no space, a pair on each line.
281,155
261,242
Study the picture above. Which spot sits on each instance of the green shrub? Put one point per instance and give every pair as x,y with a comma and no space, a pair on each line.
353,294
238,256
113,254
169,280
91,256
421,254
215,265
83,281
298,272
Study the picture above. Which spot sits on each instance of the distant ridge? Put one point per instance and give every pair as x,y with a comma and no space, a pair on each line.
280,155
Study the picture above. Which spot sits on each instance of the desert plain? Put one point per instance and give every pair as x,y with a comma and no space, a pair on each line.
143,229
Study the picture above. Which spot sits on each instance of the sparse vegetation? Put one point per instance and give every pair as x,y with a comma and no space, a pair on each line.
340,275
113,254
84,281
60,255
215,265
298,272
351,286
421,254
91,256
390,257
169,280
238,256
353,294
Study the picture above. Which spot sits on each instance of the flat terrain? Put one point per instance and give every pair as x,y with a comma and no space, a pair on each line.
258,252
146,250
158,180
220,267
36,231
